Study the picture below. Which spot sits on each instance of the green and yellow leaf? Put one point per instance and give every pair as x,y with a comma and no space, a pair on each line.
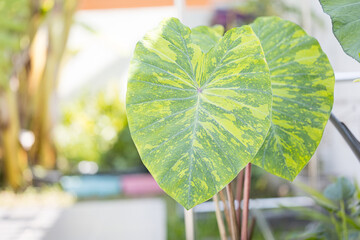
302,83
197,115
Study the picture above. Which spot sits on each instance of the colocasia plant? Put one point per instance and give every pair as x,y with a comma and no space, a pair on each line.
202,105
337,215
345,18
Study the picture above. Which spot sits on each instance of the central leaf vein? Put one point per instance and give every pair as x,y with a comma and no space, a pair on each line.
191,150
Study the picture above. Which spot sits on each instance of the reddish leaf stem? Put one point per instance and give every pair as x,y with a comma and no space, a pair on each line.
245,212
239,189
233,227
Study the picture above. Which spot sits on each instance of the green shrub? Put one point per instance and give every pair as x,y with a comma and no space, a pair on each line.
94,128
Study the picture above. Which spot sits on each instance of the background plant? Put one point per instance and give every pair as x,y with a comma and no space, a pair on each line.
337,214
32,48
13,39
95,129
345,15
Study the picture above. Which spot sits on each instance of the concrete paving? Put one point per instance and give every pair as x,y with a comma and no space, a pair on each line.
26,222
130,219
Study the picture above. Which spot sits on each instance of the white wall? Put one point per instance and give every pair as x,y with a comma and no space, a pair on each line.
105,55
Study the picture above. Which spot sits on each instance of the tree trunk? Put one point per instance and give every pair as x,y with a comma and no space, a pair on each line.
43,151
14,157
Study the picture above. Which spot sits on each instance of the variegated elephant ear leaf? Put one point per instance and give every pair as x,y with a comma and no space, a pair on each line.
302,83
207,37
197,117
345,18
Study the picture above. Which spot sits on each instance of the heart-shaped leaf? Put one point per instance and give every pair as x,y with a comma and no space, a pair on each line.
345,17
302,83
197,117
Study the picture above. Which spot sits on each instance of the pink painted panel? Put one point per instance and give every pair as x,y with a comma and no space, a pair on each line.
139,185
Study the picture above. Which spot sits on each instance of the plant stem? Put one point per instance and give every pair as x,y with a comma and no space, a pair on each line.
343,218
335,223
239,189
252,227
234,231
263,225
219,218
349,137
226,210
245,212
189,224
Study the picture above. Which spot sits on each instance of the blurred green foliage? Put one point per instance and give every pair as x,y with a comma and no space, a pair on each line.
13,26
94,128
337,216
266,7
266,185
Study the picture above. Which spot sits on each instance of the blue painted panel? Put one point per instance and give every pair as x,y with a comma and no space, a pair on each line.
91,185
